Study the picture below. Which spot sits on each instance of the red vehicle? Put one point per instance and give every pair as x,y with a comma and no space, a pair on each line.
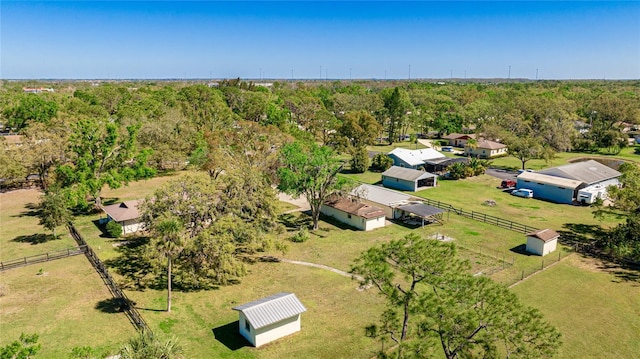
508,184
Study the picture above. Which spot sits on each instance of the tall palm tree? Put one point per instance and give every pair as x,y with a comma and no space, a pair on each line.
169,243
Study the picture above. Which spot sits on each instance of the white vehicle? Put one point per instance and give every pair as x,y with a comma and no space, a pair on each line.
590,195
523,192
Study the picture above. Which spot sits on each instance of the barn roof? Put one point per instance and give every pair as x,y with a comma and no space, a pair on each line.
271,309
123,211
547,179
588,172
378,194
544,235
356,208
407,174
416,157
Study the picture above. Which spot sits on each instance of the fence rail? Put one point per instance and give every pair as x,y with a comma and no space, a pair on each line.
132,313
40,258
482,217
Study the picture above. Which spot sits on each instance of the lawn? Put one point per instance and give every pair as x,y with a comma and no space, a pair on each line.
595,306
66,303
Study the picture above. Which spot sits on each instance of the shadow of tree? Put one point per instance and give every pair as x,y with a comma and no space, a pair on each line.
229,336
111,305
32,210
293,221
37,238
137,271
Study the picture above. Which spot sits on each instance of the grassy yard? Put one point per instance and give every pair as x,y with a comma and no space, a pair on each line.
595,306
65,303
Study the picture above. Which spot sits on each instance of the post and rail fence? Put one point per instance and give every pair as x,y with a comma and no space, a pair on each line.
40,258
132,313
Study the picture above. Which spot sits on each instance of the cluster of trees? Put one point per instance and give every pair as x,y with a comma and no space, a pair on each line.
434,306
474,167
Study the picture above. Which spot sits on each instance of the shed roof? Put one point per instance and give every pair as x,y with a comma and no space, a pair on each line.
547,179
588,172
123,211
545,235
378,194
271,309
416,157
407,174
454,136
356,208
491,145
422,210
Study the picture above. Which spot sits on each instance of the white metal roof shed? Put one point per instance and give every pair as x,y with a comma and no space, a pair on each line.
271,309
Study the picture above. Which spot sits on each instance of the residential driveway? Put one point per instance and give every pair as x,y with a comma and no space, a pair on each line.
502,174
300,202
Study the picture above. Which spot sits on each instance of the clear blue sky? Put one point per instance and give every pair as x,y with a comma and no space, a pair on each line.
202,39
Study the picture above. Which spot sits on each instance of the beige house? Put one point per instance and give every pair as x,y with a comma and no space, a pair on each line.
126,214
270,318
354,213
459,139
485,149
542,242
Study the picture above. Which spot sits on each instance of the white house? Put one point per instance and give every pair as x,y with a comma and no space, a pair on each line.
126,214
415,159
542,242
486,149
354,213
270,318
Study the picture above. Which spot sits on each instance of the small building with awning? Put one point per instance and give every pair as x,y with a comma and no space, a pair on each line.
420,213
408,179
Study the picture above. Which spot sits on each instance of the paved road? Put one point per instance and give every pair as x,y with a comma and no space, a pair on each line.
502,174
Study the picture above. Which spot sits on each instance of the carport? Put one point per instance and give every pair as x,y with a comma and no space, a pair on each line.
422,211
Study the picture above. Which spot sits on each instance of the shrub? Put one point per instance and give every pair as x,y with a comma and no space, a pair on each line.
360,160
301,236
114,229
381,162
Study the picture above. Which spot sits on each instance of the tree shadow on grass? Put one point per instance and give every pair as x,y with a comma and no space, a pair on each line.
32,210
137,272
294,221
37,238
111,305
230,337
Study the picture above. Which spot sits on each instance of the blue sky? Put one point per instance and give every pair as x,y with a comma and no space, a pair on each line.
313,39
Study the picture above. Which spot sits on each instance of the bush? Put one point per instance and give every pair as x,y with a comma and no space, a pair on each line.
360,160
114,229
381,162
301,236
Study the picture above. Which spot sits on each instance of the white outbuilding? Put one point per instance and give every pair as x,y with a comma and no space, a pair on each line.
542,242
354,213
126,214
270,318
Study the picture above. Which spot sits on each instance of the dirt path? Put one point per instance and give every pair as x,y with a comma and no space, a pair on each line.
300,202
321,266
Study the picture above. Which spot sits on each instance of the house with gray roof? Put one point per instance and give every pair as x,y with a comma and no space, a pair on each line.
270,318
408,179
386,199
415,159
570,183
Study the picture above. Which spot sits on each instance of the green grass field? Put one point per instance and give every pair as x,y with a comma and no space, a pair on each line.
606,311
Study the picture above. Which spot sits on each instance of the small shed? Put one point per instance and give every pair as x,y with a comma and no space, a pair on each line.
126,214
407,179
270,318
542,242
354,213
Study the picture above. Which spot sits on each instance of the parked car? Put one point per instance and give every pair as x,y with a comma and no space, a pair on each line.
508,183
447,149
523,192
527,170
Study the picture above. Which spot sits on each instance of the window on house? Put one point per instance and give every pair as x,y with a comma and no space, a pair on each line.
247,327
348,216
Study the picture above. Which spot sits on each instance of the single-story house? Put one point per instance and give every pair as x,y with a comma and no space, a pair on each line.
408,179
458,139
270,318
542,242
384,198
415,159
486,149
566,184
354,213
126,214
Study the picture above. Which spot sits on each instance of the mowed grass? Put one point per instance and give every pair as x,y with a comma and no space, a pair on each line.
66,303
597,310
20,233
